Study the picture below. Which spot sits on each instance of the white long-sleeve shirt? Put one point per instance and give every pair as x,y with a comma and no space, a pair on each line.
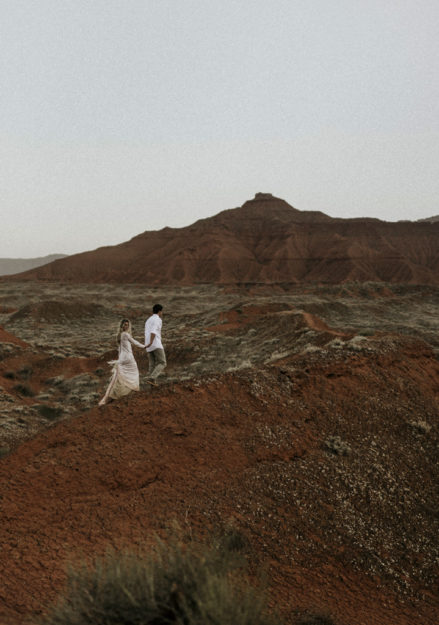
153,325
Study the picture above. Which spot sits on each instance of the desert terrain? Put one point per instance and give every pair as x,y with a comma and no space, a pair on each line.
304,417
264,241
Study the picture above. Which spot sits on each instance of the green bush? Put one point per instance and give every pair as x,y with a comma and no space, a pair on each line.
173,583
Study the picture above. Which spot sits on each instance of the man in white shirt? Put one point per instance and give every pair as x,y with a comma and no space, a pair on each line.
153,343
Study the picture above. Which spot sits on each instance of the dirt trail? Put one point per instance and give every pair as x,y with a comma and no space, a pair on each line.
318,324
7,337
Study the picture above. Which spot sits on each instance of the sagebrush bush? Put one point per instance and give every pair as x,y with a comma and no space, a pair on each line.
24,390
25,372
4,451
49,412
173,583
335,445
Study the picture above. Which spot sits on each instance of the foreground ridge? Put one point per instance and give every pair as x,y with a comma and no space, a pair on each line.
309,459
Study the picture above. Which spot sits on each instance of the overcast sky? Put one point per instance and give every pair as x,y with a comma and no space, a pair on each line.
120,116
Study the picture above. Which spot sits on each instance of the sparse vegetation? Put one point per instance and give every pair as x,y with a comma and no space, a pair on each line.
25,372
337,446
24,390
315,620
51,413
231,539
185,584
369,378
420,427
4,451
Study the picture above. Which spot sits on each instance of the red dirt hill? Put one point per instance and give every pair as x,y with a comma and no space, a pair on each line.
264,241
317,463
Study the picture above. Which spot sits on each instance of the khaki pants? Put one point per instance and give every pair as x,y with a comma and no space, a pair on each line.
157,362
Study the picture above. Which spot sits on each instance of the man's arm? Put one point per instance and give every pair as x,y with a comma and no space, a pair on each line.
151,340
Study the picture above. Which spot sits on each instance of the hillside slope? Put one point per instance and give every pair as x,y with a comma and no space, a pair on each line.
316,460
264,241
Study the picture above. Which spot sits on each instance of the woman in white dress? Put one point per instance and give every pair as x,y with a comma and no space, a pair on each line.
125,376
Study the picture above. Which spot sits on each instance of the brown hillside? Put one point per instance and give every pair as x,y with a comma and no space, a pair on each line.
304,423
310,459
264,241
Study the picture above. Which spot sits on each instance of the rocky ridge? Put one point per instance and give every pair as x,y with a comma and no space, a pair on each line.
265,241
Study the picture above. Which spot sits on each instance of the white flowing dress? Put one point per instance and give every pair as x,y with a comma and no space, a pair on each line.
125,376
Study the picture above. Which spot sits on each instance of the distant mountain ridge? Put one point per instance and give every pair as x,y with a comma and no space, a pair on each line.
265,241
10,266
432,220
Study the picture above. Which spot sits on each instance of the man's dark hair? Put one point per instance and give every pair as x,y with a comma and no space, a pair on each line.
157,308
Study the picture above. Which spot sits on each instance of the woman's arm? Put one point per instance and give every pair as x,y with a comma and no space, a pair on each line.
134,342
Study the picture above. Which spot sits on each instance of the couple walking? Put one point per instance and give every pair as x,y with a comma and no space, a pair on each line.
125,377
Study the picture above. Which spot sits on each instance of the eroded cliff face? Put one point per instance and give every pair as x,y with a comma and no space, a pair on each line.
265,241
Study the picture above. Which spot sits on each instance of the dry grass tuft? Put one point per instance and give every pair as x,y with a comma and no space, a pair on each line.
193,584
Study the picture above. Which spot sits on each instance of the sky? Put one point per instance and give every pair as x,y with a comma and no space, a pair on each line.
121,116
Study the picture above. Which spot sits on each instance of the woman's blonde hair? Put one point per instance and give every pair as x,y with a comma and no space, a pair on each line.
119,330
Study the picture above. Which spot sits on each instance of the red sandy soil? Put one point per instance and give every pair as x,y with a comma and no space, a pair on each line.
351,535
237,318
265,241
7,337
44,367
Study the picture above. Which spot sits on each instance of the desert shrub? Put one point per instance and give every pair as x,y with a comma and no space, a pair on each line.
25,372
369,331
315,620
420,427
10,375
4,451
337,446
244,364
49,412
173,583
56,381
24,389
6,349
229,538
